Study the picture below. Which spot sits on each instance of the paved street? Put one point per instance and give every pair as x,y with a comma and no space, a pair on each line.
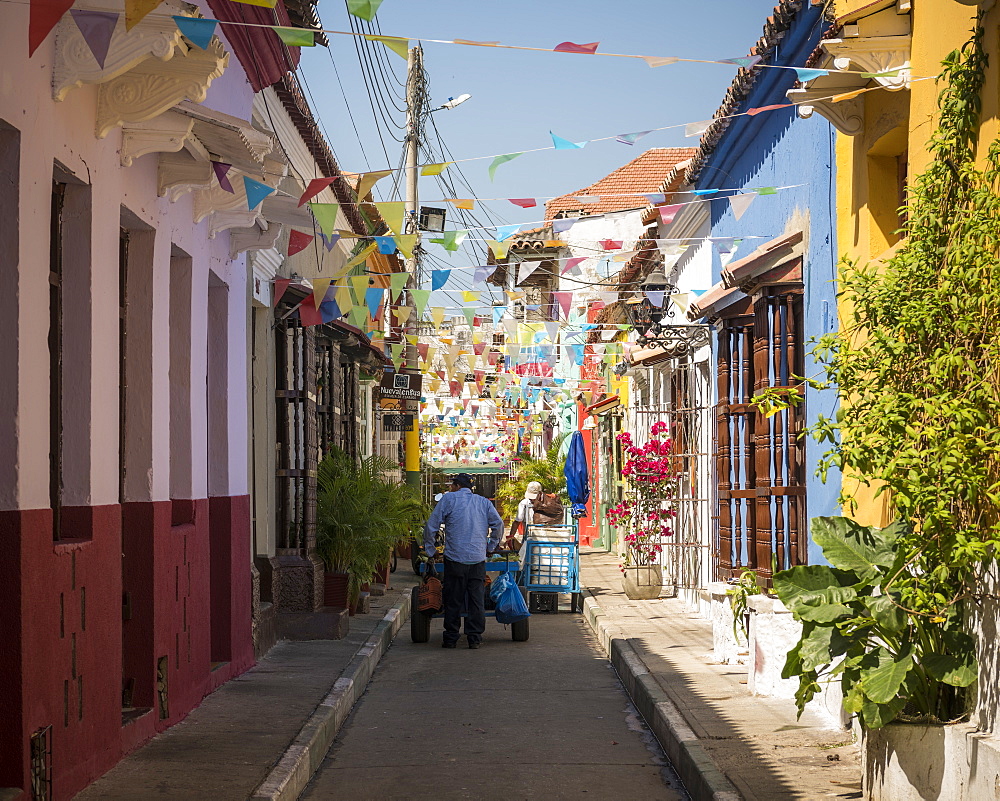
542,719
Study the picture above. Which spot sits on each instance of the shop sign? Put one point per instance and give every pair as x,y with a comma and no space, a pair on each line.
397,422
400,385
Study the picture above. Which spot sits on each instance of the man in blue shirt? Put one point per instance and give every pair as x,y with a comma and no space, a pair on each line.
472,528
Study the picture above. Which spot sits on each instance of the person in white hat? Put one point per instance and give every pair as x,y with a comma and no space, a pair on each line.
525,515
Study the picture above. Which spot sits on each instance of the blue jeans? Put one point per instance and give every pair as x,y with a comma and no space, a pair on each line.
464,589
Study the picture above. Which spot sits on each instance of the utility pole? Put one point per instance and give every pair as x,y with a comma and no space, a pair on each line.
414,125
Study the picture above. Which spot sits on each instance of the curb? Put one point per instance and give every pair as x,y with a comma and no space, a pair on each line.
304,755
701,776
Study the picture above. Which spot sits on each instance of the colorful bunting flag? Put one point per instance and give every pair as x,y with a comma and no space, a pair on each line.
397,45
437,315
805,74
406,243
386,245
572,47
198,32
136,10
746,61
752,112
326,216
611,244
462,203
506,231
498,249
360,258
435,169
847,95
373,297
298,241
667,213
524,202
280,285
221,170
696,128
262,3
329,241
367,180
256,192
565,300
501,160
365,9
439,278
43,16
572,263
309,314
320,287
420,297
450,240
659,61
740,203
655,198
97,28
295,37
316,185
394,214
564,144
397,282
631,138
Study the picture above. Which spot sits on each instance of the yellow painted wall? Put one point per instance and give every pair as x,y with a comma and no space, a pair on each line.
899,123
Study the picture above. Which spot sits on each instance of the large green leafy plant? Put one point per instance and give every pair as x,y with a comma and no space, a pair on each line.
917,367
855,626
361,515
547,470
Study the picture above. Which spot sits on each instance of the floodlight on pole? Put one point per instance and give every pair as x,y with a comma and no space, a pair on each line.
453,101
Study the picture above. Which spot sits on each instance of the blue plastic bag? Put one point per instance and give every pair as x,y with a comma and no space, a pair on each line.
510,605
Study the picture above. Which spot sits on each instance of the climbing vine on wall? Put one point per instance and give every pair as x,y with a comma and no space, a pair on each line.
917,367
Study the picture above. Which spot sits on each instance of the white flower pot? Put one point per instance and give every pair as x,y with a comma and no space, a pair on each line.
642,583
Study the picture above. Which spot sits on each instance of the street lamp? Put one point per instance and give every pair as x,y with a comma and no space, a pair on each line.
452,102
646,319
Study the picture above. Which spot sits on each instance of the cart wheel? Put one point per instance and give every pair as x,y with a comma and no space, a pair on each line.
519,630
576,602
420,622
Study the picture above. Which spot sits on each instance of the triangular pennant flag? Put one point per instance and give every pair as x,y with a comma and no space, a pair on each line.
558,226
462,203
43,16
498,312
367,180
406,243
740,203
309,314
552,329
221,170
565,300
805,74
320,286
365,9
326,216
397,45
470,316
420,297
97,28
701,192
397,282
450,240
422,348
468,297
498,249
373,297
197,31
631,138
329,241
280,285
506,231
295,37
667,213
572,263
611,244
696,128
316,185
524,202
564,144
386,245
655,297
361,257
886,74
439,278
330,311
393,214
256,192
752,112
659,61
357,315
344,299
437,315
136,10
746,61
359,284
298,241
847,95
435,169
501,160
525,269
402,314
655,197
572,47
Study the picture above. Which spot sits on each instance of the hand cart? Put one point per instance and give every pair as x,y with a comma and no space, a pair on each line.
551,562
420,622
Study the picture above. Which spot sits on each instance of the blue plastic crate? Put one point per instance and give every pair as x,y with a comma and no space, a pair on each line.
551,566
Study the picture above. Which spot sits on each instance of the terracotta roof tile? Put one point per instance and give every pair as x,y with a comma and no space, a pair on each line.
645,173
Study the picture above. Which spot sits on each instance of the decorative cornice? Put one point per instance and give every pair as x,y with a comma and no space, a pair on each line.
153,87
184,171
242,240
872,54
156,36
167,133
231,139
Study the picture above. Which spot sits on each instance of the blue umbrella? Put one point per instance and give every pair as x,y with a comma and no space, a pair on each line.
577,475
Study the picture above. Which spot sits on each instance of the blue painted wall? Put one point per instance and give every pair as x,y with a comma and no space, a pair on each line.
775,148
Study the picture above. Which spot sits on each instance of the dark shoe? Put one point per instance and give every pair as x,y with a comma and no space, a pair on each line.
449,645
474,645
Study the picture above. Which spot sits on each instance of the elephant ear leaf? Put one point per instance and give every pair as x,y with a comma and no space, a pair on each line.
882,684
850,546
814,585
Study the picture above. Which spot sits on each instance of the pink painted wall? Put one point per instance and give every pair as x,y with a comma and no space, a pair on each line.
61,629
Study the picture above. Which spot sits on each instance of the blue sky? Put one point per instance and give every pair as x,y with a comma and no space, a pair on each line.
519,96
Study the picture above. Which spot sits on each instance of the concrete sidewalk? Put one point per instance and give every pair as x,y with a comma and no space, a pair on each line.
253,737
724,743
